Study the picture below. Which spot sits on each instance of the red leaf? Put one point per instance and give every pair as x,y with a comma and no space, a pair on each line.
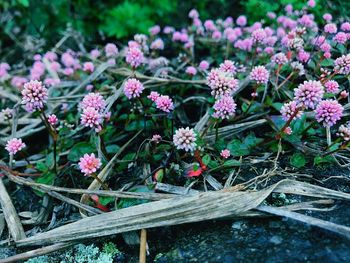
98,205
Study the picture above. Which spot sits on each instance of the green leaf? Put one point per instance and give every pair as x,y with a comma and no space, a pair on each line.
237,148
327,62
230,163
105,200
251,140
298,160
79,150
24,2
113,148
42,167
320,160
127,202
46,178
206,159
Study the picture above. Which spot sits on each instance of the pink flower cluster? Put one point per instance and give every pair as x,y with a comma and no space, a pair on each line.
93,107
185,139
89,164
289,109
134,57
260,75
34,95
225,153
329,112
133,88
309,94
221,83
15,145
224,108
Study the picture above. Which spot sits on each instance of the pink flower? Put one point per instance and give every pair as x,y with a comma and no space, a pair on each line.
344,132
156,138
157,44
225,153
191,71
332,86
88,67
14,145
133,88
330,28
164,103
327,17
289,109
260,75
303,56
216,35
111,62
229,67
311,3
221,83
89,87
340,38
50,56
93,100
329,112
52,119
345,26
111,50
259,35
204,65
34,95
153,96
68,60
193,14
308,94
37,70
134,57
68,71
342,64
18,81
89,164
224,108
154,30
4,67
95,53
185,139
279,59
241,20
271,15
344,94
288,130
51,82
209,25
91,118
244,44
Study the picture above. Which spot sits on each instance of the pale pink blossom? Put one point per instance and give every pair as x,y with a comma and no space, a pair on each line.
191,70
90,117
34,95
309,94
52,119
111,50
260,75
224,108
164,103
153,96
15,145
93,100
329,112
185,139
89,164
134,57
332,86
133,88
225,153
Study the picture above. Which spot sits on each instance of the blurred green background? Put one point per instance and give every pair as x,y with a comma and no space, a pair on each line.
103,20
